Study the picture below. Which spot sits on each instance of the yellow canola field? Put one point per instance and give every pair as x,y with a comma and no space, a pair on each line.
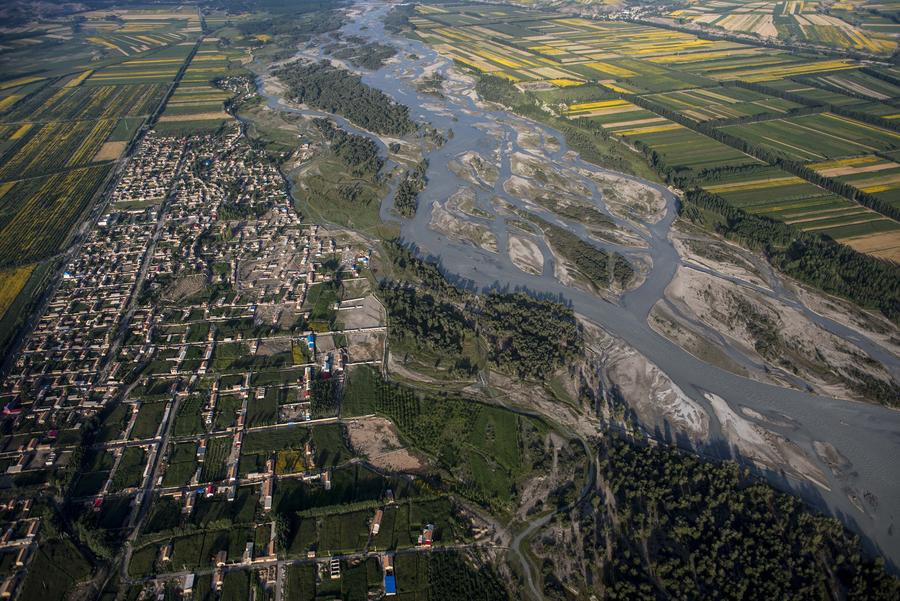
759,184
877,189
648,130
19,82
587,106
4,188
783,71
76,81
152,61
106,43
610,69
852,161
11,283
562,83
17,135
10,100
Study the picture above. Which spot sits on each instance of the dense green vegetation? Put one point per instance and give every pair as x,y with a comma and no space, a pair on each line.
528,336
57,566
420,319
521,335
600,268
679,527
358,153
360,53
447,576
406,198
337,91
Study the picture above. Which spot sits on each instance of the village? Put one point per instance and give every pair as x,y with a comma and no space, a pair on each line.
203,332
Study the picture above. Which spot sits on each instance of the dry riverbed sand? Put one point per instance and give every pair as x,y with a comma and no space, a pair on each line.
456,228
526,255
768,330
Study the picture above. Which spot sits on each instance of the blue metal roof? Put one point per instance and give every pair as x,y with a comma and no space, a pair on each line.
390,585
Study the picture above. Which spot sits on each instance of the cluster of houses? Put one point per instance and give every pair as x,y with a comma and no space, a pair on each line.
185,216
18,539
61,364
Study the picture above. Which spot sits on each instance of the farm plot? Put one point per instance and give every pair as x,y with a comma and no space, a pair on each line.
874,175
226,411
794,19
328,443
786,67
816,137
189,419
150,416
679,148
37,215
130,470
196,103
564,51
263,411
217,450
182,464
159,66
54,146
710,104
612,113
82,103
12,281
857,83
350,484
776,194
815,94
91,479
129,32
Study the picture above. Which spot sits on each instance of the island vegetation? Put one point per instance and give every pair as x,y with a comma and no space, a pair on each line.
323,86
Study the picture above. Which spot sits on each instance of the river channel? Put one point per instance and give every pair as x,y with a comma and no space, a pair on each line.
868,436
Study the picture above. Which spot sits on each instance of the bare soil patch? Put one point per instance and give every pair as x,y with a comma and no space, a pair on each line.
377,439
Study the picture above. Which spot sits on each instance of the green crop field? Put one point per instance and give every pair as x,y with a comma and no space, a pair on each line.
776,194
182,464
130,469
217,450
148,420
189,419
680,148
816,137
49,147
226,412
86,102
711,104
